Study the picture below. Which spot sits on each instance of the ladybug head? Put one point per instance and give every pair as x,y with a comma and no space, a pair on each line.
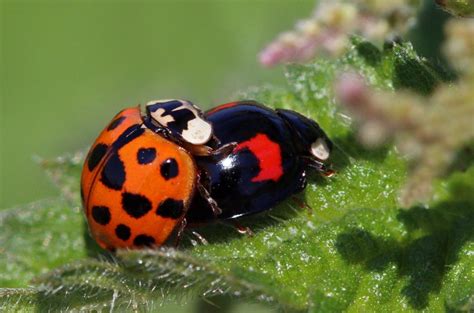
308,135
181,118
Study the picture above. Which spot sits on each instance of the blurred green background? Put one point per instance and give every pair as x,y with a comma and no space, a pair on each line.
68,66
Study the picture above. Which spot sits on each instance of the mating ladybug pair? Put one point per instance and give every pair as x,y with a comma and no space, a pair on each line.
150,175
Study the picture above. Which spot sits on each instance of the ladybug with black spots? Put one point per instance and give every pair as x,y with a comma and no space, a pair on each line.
150,175
138,180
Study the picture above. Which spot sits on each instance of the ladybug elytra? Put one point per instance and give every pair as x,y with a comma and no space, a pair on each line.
148,176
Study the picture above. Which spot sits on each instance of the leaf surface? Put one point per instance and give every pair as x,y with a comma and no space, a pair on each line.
342,245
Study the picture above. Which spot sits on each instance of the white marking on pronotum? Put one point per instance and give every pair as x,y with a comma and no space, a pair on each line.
320,149
162,119
198,132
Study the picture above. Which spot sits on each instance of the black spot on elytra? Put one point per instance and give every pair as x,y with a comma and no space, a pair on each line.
123,232
169,168
135,205
128,135
170,208
146,155
101,215
143,240
113,174
115,123
96,156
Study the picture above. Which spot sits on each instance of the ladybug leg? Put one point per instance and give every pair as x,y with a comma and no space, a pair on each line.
244,230
199,237
225,149
216,140
207,196
302,204
203,150
322,168
179,234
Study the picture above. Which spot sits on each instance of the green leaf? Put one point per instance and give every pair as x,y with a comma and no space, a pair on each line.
64,172
342,245
463,8
38,237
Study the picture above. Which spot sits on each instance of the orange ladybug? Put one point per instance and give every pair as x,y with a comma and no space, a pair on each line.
138,179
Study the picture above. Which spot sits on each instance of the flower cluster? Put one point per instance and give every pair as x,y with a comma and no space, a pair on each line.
428,130
460,46
327,31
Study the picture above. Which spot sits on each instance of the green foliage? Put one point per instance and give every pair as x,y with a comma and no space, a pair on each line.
349,249
38,237
463,8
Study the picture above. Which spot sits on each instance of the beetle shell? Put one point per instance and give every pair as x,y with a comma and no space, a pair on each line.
136,185
268,165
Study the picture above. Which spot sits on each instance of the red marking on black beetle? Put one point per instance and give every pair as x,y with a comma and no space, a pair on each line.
268,154
222,107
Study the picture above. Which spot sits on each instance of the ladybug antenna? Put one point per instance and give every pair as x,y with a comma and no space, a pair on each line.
348,156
